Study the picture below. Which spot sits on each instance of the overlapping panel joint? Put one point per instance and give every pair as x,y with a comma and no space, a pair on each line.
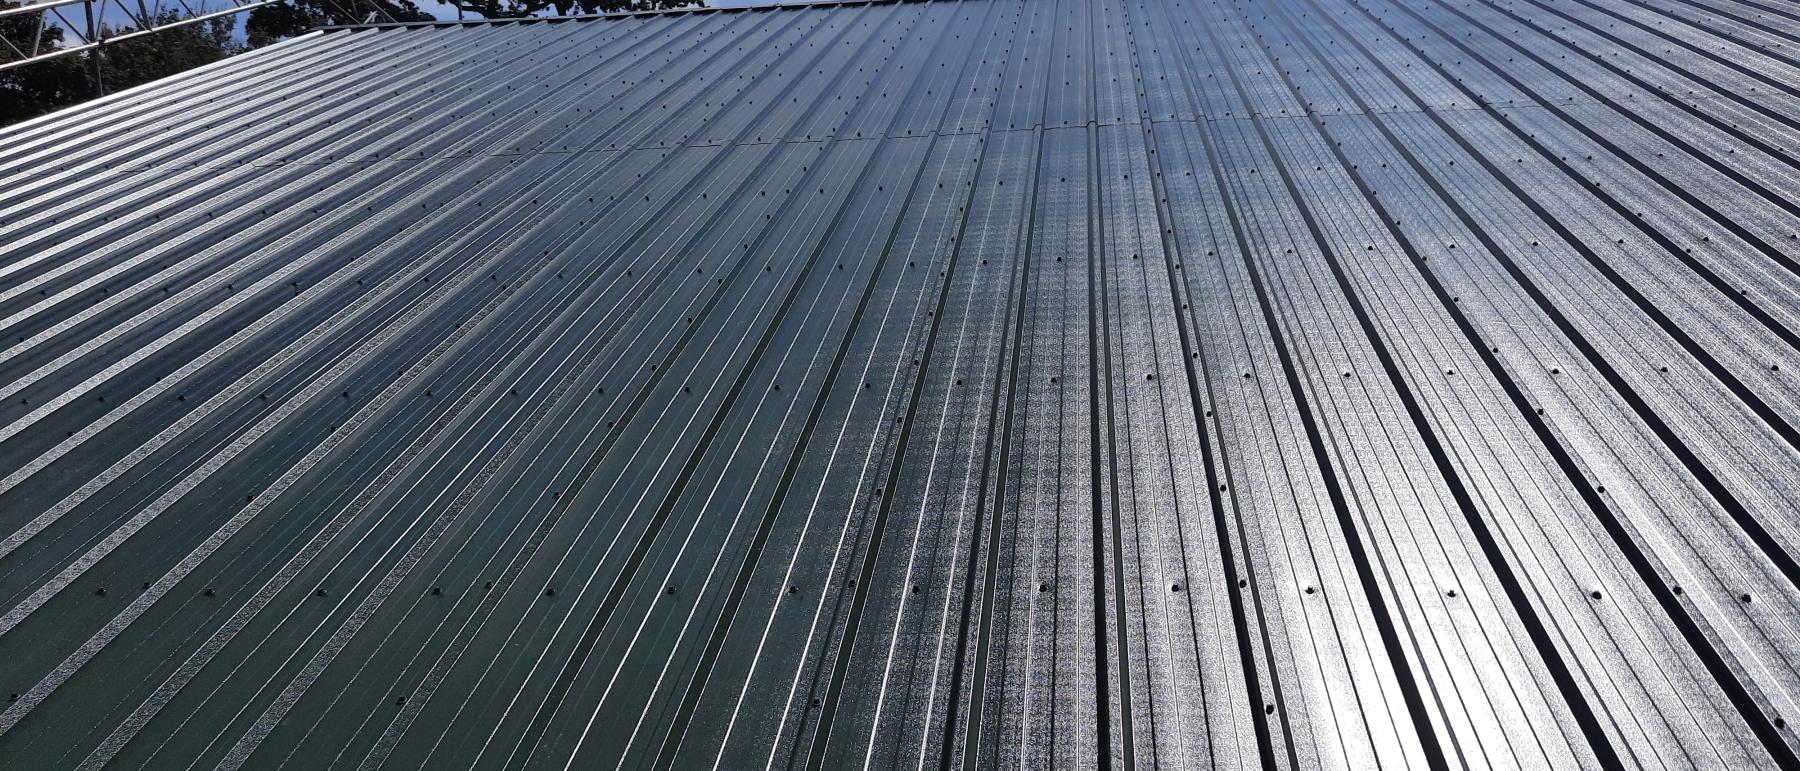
980,384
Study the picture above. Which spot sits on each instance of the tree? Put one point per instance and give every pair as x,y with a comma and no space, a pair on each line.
30,91
512,9
35,89
140,60
271,23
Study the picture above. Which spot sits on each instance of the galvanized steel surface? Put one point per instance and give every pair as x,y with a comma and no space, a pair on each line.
997,383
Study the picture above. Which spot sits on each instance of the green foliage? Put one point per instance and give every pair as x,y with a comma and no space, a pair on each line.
512,9
140,60
27,92
271,23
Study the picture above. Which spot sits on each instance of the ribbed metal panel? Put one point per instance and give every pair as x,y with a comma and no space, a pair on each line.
982,384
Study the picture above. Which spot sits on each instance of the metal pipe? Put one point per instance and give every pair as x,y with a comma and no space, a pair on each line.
36,7
94,56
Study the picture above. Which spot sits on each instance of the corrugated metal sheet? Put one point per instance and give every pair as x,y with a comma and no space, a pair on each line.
950,384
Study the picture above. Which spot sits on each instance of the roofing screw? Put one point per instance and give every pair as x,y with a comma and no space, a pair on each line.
400,701
490,584
1744,597
549,591
793,590
321,592
209,592
1451,593
1243,583
915,589
1676,590
1595,594
1311,590
1268,709
146,584
436,590
1174,587
1043,587
100,591
670,590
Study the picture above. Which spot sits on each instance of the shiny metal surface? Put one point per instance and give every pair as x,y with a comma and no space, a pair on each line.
982,384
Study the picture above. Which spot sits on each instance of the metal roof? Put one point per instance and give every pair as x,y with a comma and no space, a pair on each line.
703,390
